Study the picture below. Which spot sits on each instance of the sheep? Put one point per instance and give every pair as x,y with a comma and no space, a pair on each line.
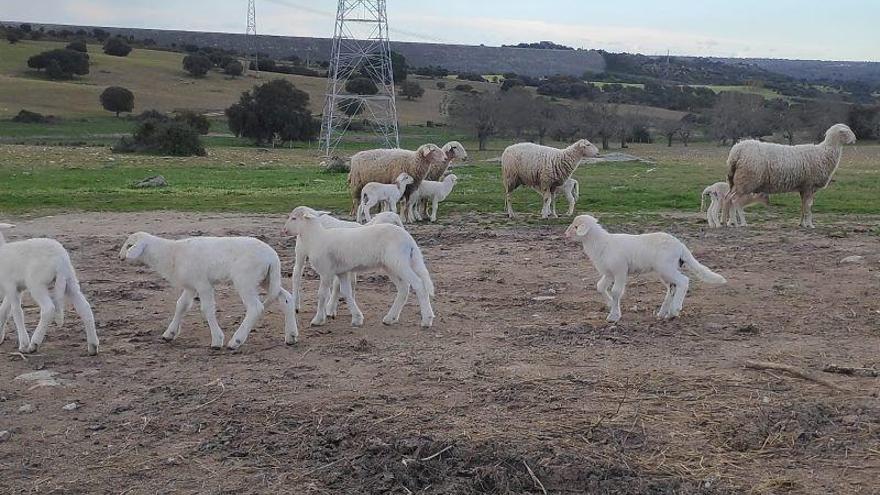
571,190
34,264
432,191
339,252
542,168
375,193
768,168
195,265
454,151
331,222
717,193
384,165
615,256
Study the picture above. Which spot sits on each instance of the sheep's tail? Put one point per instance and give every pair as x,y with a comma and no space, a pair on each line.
275,288
732,160
4,226
703,272
417,262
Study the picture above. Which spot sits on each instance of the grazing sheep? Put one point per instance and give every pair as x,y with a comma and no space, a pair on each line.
433,192
768,168
616,256
383,166
197,264
34,264
375,193
717,193
340,252
571,190
542,168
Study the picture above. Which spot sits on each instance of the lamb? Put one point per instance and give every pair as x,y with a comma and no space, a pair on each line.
339,252
383,166
432,191
571,190
34,264
454,151
717,193
375,193
542,168
616,256
768,168
197,264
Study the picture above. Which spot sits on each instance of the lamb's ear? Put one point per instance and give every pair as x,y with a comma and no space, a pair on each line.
310,216
582,229
137,250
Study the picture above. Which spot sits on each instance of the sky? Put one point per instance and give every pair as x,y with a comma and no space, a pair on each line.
806,29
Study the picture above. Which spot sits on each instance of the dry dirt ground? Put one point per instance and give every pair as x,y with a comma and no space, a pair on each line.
506,394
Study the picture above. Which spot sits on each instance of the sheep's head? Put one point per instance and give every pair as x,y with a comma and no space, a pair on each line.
298,218
580,227
386,217
455,151
840,134
404,179
134,246
451,178
586,149
431,153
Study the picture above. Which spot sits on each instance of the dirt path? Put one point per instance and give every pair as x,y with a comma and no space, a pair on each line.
506,394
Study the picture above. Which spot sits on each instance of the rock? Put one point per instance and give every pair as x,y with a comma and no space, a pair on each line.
853,259
4,435
42,378
26,409
71,407
155,181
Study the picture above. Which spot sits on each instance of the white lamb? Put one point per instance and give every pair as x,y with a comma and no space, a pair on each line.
617,256
571,190
197,264
433,192
340,252
376,193
33,265
717,194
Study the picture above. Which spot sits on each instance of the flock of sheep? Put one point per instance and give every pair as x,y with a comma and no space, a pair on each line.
337,249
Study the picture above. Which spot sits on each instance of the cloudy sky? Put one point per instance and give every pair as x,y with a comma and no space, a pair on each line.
807,29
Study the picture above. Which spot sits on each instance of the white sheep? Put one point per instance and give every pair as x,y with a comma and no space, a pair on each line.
542,168
769,168
717,194
34,264
433,192
454,151
616,256
383,166
571,190
375,193
197,264
340,252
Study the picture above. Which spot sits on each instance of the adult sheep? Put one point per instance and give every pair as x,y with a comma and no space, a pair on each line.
768,168
384,165
542,168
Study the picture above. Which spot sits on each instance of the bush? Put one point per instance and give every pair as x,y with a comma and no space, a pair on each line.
78,46
234,68
197,121
361,86
197,65
27,117
117,99
171,138
13,36
61,63
100,34
467,88
468,76
411,89
273,109
117,47
152,115
441,85
265,65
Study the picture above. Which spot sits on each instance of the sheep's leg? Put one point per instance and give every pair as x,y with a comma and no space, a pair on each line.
602,286
571,203
681,283
434,206
807,210
4,315
323,294
508,204
399,301
726,203
547,210
41,295
418,286
298,267
251,299
663,312
209,310
18,317
713,215
741,211
617,291
357,317
333,303
291,332
84,311
184,304
367,207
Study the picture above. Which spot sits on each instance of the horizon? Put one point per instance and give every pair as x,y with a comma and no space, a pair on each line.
703,30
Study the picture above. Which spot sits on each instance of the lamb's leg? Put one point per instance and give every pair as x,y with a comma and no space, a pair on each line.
357,317
663,312
251,299
807,210
434,205
209,310
547,210
617,291
424,300
24,341
298,267
726,203
681,283
399,301
571,202
333,303
713,214
508,203
41,295
84,310
291,332
367,207
184,304
741,211
323,295
602,286
4,315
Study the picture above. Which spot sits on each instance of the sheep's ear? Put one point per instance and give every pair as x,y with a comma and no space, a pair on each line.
582,229
310,216
136,251
322,213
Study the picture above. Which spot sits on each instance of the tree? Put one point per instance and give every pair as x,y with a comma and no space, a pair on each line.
411,89
398,67
117,99
117,47
197,65
739,115
477,113
27,28
361,86
197,121
78,46
516,112
234,68
100,35
60,63
13,36
274,109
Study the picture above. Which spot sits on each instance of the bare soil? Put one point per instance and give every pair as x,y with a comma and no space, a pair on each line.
505,394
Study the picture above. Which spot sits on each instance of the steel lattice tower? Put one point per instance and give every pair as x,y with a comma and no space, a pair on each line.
251,36
360,48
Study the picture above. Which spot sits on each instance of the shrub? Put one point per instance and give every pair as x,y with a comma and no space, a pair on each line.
467,88
197,65
78,46
171,138
275,108
99,34
197,121
441,84
411,89
60,63
265,65
468,76
27,117
234,68
117,99
361,86
13,36
152,115
117,47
